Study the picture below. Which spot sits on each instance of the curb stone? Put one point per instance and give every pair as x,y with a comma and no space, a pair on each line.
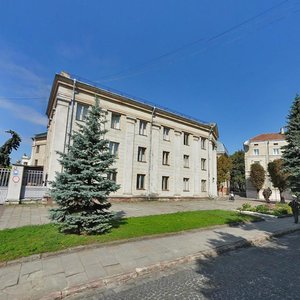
165,265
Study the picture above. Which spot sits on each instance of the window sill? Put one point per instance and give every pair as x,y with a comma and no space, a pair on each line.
142,189
141,161
115,128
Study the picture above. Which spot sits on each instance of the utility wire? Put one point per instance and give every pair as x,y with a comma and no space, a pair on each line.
143,66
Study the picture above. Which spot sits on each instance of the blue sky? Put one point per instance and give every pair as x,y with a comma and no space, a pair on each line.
232,62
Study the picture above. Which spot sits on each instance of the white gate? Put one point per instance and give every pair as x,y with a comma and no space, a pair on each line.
4,179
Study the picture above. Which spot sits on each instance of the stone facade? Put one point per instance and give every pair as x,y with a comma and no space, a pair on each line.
160,154
38,150
263,149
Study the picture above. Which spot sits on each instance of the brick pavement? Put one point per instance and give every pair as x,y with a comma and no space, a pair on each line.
12,216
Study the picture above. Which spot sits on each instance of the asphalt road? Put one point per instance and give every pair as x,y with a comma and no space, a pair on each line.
271,271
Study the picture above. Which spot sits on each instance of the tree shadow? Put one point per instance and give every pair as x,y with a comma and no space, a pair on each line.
264,271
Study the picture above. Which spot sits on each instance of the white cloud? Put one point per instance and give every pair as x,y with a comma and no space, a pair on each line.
24,112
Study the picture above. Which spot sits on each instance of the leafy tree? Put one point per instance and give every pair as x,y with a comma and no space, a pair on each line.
291,154
257,177
237,174
223,169
81,190
6,149
278,176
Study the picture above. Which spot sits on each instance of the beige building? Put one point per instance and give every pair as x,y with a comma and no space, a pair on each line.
263,149
38,150
160,154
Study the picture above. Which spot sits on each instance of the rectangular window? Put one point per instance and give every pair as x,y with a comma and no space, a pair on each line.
37,149
185,139
112,176
166,133
203,143
141,154
186,184
142,128
115,120
165,183
275,144
276,151
255,144
203,185
81,112
203,164
186,161
36,162
140,182
114,149
165,158
256,151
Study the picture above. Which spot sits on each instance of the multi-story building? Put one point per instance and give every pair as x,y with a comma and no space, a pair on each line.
38,150
263,149
159,153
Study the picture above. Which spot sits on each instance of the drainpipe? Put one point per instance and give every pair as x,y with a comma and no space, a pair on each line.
150,154
212,126
72,112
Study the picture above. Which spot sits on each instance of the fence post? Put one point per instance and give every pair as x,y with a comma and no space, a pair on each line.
15,184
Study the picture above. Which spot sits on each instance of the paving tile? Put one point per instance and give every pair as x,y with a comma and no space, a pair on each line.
10,277
76,279
106,257
52,266
113,269
95,271
72,264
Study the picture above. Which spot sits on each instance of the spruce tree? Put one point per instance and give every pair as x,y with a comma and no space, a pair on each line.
291,153
82,188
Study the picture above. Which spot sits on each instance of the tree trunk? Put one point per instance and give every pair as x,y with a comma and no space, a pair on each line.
257,194
282,200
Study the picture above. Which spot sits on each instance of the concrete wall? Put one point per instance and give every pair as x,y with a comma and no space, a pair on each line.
129,140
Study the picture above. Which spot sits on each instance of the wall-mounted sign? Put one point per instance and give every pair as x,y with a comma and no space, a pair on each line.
16,179
15,171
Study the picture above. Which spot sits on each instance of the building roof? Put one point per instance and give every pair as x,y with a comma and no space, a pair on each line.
221,149
96,88
40,135
268,137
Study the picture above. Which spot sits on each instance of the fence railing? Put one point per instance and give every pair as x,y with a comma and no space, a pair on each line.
4,176
33,178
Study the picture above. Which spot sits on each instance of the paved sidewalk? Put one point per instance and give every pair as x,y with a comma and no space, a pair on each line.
12,216
65,274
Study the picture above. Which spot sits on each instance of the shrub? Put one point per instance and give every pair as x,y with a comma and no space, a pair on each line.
262,208
246,206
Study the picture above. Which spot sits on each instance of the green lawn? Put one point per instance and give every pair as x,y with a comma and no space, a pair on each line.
29,240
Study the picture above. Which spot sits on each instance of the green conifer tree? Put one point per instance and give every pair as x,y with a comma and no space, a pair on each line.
291,154
81,190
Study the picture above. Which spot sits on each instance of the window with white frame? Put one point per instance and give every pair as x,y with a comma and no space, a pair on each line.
203,164
186,184
203,143
37,149
115,120
166,134
185,139
186,161
255,151
203,185
165,183
141,154
114,149
81,112
165,158
112,176
140,181
276,151
143,127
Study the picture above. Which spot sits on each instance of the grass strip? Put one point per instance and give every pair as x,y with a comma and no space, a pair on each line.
29,240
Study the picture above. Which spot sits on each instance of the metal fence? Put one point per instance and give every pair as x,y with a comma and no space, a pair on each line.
4,176
33,178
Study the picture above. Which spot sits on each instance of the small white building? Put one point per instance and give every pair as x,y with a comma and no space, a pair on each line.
160,154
